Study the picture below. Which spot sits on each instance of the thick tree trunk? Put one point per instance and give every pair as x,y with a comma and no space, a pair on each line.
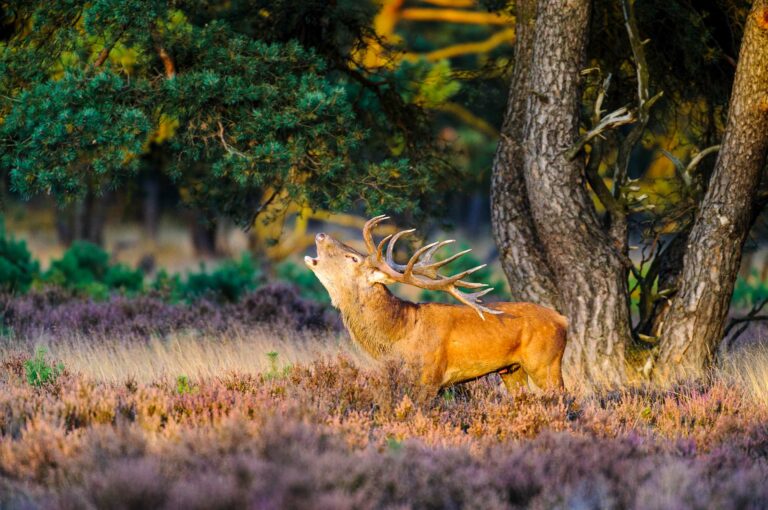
693,325
591,276
521,254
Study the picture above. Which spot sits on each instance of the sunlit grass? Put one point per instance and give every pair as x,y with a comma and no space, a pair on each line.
747,369
197,356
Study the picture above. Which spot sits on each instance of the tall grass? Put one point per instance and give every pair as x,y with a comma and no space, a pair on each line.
747,368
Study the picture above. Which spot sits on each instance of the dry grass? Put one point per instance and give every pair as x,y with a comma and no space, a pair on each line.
747,369
258,350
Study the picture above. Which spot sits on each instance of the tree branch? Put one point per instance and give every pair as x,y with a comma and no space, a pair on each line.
107,49
497,39
162,53
455,16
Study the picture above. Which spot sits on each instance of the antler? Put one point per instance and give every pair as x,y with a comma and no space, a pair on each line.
421,271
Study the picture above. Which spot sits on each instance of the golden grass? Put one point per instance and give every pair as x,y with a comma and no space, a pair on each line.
748,370
197,356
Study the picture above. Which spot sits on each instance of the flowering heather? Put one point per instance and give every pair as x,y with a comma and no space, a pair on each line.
53,312
331,434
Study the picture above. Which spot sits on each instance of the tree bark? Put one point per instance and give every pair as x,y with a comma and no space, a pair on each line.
693,325
591,275
521,254
203,237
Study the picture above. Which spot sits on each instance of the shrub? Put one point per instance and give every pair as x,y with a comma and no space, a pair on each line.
39,372
749,291
85,269
228,282
17,268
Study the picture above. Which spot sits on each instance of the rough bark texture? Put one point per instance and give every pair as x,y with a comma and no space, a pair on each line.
591,277
693,325
520,251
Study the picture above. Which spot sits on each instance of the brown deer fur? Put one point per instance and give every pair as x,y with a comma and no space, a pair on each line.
450,343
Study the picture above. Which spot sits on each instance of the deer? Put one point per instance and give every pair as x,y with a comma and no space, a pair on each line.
449,343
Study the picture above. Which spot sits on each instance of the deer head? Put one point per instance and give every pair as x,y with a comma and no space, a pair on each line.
347,273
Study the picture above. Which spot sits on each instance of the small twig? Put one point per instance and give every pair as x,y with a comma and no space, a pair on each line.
613,120
752,316
228,147
261,208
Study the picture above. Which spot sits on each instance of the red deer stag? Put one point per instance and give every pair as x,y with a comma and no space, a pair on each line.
451,343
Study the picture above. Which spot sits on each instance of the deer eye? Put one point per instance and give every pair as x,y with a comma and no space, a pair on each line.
354,259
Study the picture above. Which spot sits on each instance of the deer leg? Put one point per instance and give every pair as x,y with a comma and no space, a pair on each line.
548,377
514,379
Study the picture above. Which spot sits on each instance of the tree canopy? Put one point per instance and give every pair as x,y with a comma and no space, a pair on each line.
248,103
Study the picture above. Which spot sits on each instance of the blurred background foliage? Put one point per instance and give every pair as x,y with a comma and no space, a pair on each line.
170,133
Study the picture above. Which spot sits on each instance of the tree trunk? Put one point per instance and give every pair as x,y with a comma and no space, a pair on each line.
204,237
591,276
84,220
151,206
520,252
544,222
693,325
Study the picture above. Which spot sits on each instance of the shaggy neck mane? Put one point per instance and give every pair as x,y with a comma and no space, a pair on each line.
376,318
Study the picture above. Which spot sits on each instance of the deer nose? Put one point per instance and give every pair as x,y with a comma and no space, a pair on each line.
320,237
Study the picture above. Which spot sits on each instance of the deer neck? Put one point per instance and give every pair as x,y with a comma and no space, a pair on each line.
376,319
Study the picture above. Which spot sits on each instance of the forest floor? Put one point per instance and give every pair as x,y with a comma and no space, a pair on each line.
272,418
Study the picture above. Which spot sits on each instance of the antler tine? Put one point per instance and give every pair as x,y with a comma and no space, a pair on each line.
427,258
432,268
470,285
456,278
368,235
421,272
415,257
380,248
391,248
473,300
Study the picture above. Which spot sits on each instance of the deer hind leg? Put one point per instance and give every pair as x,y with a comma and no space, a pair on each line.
548,377
514,379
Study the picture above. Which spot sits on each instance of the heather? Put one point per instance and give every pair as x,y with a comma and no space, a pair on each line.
55,312
333,431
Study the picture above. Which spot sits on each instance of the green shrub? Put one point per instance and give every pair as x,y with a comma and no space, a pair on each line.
39,372
228,282
308,284
183,385
168,286
749,291
85,269
120,276
17,268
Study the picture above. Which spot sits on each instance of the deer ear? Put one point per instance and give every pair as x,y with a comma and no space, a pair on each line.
377,276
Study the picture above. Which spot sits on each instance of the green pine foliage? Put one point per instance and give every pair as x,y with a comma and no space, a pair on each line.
17,268
257,111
